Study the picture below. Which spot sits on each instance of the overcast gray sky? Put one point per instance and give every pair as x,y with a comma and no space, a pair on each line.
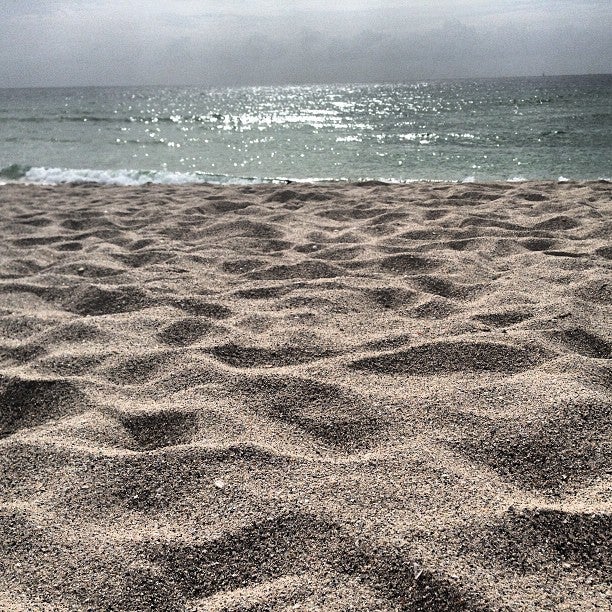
259,42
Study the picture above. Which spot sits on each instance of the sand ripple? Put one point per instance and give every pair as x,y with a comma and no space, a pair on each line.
316,397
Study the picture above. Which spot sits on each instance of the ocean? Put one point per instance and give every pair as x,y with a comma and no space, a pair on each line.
462,130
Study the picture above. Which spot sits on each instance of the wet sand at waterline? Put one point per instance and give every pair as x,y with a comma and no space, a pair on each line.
306,397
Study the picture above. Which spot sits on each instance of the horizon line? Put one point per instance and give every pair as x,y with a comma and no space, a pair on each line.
312,83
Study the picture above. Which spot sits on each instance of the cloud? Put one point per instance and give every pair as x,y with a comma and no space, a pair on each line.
235,42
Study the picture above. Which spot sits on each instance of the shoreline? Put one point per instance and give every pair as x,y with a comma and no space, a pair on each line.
16,175
316,395
330,183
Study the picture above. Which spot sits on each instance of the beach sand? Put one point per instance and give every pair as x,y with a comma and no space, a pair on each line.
306,397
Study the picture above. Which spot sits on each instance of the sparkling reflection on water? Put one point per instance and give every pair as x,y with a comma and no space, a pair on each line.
446,130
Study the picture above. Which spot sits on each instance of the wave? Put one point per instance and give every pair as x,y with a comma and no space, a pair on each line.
18,173
56,176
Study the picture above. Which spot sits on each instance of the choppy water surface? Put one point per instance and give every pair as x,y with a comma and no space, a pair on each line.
494,129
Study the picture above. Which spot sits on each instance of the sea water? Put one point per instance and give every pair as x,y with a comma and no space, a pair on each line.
481,130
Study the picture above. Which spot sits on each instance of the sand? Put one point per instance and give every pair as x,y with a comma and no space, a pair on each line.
306,397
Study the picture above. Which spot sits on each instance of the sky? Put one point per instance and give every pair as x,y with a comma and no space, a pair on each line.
218,43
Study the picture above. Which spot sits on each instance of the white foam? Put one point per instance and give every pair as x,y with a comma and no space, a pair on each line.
128,178
56,176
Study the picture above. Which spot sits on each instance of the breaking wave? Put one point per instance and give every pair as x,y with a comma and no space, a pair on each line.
56,176
17,173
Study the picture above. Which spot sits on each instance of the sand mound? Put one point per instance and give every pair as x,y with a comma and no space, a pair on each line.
316,397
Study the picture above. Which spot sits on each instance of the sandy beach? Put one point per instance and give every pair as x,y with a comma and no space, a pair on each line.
306,397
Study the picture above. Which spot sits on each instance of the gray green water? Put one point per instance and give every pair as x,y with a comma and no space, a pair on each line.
489,129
